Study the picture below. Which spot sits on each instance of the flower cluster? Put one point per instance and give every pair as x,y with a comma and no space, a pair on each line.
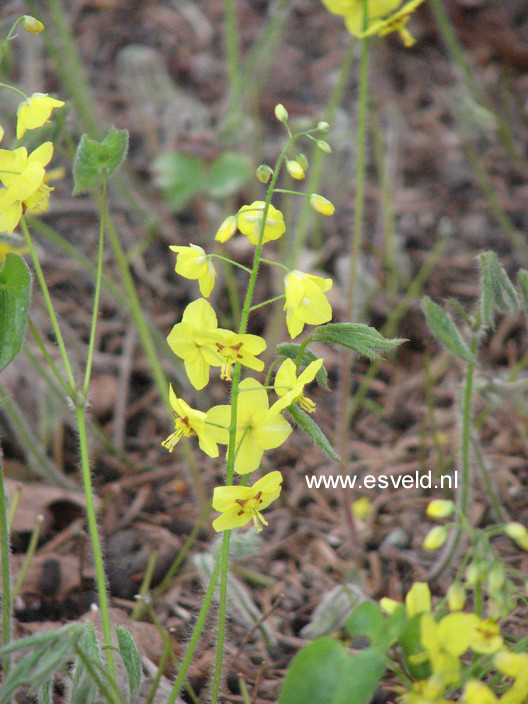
22,175
435,650
256,425
384,17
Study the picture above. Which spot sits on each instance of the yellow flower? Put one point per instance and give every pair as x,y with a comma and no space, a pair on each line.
290,387
23,178
445,641
198,318
188,421
435,538
486,637
514,665
362,508
230,347
250,217
305,301
476,692
227,229
193,263
378,24
35,111
440,508
427,691
259,427
321,205
241,504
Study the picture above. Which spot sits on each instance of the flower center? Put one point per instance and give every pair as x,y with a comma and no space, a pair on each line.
305,403
251,506
230,353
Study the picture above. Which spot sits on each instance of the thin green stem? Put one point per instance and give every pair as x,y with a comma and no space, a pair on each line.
292,193
274,263
13,88
145,586
464,490
7,599
222,607
97,294
266,303
49,305
94,536
30,554
200,623
226,259
270,370
49,361
300,352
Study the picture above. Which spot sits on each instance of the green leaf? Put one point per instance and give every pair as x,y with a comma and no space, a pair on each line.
444,329
92,158
180,177
496,288
228,174
411,644
361,338
306,423
366,620
522,277
131,659
324,672
290,350
84,688
15,292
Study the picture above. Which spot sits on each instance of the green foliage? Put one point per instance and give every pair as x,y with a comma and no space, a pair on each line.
324,672
496,288
291,350
444,329
131,659
306,423
93,158
84,688
181,176
15,292
367,619
356,336
523,286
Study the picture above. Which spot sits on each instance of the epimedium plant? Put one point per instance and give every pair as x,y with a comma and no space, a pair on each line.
249,426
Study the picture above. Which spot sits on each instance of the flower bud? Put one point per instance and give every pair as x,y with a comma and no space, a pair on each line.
31,24
389,605
227,229
456,597
518,533
440,508
302,159
496,579
323,146
281,113
361,508
418,599
435,538
264,173
322,205
295,169
323,126
473,574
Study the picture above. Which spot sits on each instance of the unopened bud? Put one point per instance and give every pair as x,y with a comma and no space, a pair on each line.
264,173
321,204
456,597
518,533
473,574
227,229
295,169
496,579
323,126
324,146
440,508
302,159
281,113
435,538
31,24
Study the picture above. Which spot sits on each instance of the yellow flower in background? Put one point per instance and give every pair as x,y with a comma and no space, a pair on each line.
259,427
514,665
11,245
188,421
427,691
305,301
23,178
290,388
199,317
250,217
486,637
193,263
231,347
440,508
35,112
435,538
241,504
379,24
362,508
476,692
418,599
